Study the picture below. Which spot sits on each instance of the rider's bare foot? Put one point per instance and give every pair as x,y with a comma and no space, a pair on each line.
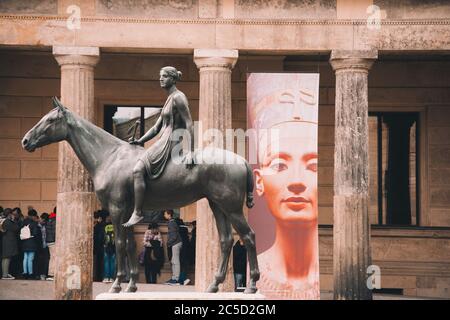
135,218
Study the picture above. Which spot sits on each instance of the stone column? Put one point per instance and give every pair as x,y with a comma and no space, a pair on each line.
214,112
351,231
76,200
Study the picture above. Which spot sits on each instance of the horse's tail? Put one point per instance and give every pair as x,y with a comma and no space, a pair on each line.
250,186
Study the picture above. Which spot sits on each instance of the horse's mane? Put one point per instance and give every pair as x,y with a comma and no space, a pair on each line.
100,132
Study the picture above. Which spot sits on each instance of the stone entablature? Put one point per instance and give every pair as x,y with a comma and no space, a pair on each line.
264,35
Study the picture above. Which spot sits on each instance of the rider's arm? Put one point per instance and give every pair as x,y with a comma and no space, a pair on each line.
153,131
183,109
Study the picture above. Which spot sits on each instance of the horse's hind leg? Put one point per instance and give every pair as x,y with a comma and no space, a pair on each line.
247,235
132,261
226,243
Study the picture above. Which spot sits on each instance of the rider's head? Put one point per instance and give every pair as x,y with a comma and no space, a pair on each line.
168,76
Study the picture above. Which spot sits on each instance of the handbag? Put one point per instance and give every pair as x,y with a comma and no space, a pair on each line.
2,220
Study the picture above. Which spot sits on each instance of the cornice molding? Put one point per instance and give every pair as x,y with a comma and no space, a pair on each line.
118,19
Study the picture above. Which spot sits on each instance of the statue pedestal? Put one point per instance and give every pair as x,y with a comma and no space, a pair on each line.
173,295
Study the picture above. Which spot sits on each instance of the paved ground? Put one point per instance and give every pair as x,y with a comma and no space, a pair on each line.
43,290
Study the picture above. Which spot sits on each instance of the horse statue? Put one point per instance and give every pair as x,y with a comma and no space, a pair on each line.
110,162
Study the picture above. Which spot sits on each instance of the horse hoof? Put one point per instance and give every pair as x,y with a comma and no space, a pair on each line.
131,289
250,290
212,289
115,289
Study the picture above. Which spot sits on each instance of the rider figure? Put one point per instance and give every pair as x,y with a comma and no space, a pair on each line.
174,115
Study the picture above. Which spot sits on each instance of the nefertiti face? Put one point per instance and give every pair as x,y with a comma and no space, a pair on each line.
287,177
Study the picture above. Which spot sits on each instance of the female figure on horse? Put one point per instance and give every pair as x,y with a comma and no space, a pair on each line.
174,115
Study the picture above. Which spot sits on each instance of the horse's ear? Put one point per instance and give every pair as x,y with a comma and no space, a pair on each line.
58,104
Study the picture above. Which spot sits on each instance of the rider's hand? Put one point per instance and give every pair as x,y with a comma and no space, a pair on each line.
189,160
135,142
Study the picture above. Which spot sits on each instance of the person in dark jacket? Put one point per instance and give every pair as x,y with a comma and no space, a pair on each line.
175,244
99,239
184,253
16,267
192,244
239,264
10,247
32,244
43,257
51,238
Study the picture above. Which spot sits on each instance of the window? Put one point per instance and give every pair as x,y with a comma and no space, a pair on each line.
122,121
125,121
393,168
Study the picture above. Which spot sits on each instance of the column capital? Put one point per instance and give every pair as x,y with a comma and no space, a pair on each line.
66,55
356,60
215,58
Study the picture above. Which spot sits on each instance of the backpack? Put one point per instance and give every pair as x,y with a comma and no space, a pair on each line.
109,238
25,233
2,220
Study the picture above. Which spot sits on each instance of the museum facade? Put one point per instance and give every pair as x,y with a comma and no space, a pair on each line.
384,108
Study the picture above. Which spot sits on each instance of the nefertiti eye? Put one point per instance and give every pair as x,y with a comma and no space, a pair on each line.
307,96
286,97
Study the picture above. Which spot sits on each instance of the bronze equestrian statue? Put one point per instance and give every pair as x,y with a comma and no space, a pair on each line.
128,179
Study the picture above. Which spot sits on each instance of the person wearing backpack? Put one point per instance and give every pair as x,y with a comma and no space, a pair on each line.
184,253
10,246
31,237
152,257
110,252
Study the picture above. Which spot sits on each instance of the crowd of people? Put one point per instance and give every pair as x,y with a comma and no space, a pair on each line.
27,244
180,249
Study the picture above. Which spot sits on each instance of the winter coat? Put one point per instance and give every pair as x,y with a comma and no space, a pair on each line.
50,229
35,242
10,243
99,238
173,234
154,256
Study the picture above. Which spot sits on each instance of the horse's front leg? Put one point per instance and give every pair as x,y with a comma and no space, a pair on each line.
120,256
132,260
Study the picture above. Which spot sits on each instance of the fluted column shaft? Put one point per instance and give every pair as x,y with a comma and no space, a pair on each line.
76,200
214,113
351,230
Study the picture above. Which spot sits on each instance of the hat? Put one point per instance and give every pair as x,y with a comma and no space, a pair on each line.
274,98
277,98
